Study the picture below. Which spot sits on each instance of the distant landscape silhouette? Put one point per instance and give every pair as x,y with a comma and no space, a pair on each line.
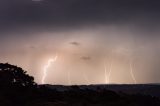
17,88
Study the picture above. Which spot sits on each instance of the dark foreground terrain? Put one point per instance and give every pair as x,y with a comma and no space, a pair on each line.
143,89
17,88
93,95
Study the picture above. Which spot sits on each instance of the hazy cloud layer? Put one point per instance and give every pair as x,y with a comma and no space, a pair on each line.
85,34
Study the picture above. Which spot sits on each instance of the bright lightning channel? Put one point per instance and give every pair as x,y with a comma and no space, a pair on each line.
105,73
131,72
110,70
46,67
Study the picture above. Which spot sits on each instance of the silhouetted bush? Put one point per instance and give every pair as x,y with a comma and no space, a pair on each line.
13,76
16,86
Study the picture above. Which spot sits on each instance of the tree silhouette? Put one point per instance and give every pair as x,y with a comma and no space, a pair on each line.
13,76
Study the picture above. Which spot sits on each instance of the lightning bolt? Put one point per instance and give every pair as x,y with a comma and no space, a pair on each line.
85,77
68,77
131,72
110,70
46,67
105,73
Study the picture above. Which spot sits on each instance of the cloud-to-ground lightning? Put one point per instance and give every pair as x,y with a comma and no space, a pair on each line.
105,73
85,77
46,67
110,70
68,78
86,58
131,72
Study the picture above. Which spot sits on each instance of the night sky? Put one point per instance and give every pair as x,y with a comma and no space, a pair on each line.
121,37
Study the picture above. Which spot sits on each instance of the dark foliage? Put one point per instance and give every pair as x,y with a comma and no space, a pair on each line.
15,85
13,76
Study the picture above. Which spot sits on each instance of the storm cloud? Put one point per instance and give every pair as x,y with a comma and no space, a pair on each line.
75,13
84,34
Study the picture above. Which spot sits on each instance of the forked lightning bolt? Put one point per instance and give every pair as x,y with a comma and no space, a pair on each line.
46,67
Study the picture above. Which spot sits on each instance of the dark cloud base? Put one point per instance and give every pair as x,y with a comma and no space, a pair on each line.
62,13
